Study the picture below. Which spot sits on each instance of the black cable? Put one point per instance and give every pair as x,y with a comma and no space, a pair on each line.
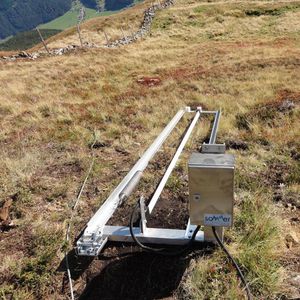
249,296
161,251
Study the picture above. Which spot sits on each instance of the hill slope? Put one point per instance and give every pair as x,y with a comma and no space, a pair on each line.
17,15
241,57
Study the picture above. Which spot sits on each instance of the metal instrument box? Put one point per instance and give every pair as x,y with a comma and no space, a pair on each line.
211,189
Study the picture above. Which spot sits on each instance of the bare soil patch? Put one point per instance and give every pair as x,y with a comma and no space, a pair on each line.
149,81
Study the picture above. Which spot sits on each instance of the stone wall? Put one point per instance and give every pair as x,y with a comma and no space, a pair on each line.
144,29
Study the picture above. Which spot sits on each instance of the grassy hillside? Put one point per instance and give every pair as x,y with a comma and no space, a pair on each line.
240,57
27,39
17,15
93,29
70,19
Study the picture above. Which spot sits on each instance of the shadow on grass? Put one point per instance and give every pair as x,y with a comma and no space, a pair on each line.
140,275
125,272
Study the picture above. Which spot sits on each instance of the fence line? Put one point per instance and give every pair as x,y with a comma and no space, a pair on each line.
144,29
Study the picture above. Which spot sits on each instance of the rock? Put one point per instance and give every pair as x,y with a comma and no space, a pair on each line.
23,54
34,55
60,51
4,210
291,239
286,105
145,27
295,154
278,196
295,220
296,280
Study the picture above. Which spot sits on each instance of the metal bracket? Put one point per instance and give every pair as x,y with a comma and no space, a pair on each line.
143,215
161,236
189,230
91,247
213,148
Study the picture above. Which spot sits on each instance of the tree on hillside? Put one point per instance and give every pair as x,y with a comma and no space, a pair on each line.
100,6
76,5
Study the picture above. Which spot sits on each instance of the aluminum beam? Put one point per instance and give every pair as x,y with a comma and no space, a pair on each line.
152,236
213,136
172,164
93,233
107,209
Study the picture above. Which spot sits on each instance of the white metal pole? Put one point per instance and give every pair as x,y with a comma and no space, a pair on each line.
98,221
172,164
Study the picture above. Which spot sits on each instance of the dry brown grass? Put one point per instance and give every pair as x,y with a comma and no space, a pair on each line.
207,53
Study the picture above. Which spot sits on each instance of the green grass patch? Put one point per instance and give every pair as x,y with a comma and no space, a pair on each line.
164,23
5,40
70,19
37,270
257,232
174,183
26,39
277,11
208,10
253,243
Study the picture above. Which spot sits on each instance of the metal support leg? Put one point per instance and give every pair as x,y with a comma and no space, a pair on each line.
190,228
209,235
143,215
212,147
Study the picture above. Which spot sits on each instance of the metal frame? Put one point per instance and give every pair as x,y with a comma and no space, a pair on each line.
97,233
